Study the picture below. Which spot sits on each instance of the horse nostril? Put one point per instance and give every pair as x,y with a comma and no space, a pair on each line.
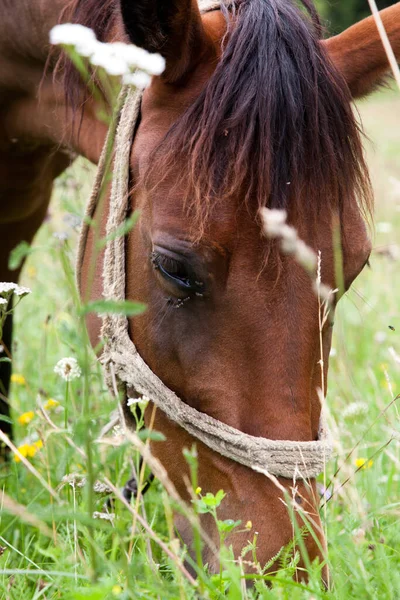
298,499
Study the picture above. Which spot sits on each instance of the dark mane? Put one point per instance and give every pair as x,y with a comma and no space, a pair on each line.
274,124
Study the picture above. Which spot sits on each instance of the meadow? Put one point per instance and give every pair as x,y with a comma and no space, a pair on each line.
60,540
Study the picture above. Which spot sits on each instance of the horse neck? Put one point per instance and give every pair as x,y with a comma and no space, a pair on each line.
35,110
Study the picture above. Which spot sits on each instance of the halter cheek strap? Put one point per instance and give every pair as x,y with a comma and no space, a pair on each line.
120,357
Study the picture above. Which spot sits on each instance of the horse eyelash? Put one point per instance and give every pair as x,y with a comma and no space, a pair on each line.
168,263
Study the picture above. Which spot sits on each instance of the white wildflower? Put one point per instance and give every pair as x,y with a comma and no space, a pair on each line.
68,369
104,56
104,516
61,236
354,410
7,287
140,79
20,290
116,58
75,480
154,64
141,400
1,349
3,302
73,34
101,488
135,57
72,220
117,431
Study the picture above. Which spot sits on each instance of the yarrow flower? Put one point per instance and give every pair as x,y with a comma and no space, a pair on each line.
68,369
22,291
140,79
73,34
3,302
117,58
142,400
9,288
6,287
26,417
104,516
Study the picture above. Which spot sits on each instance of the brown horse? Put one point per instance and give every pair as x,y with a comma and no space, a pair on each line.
252,110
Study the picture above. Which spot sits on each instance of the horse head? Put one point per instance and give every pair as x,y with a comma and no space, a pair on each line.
252,110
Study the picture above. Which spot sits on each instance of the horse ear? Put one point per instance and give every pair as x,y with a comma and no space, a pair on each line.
171,27
359,54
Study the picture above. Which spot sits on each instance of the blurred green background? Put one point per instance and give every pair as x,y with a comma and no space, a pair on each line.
339,14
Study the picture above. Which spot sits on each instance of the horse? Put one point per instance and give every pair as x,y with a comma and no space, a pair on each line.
253,110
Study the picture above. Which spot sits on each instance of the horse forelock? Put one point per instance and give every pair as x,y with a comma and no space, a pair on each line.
274,124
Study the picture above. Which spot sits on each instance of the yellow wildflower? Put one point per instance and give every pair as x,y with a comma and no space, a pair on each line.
26,417
19,379
198,490
249,525
28,450
51,404
364,463
31,272
116,590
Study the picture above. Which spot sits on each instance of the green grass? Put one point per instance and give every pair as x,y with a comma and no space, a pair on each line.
53,549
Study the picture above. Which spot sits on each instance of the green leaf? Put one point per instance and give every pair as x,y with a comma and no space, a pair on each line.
18,255
154,436
219,496
122,230
114,307
5,359
227,526
5,419
209,502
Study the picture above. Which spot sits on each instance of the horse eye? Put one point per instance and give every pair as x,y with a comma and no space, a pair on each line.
177,272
